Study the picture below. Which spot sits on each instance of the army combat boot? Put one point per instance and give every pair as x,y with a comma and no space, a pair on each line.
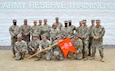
85,58
102,60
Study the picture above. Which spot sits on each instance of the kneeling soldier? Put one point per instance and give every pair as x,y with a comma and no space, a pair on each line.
33,44
78,46
58,55
44,44
20,48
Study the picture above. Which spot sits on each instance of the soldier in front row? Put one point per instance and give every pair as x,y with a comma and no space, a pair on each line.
33,44
14,31
57,53
97,34
20,48
44,44
78,46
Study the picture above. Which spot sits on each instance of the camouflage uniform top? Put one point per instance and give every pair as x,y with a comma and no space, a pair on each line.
98,31
84,32
71,29
20,46
25,29
91,29
64,32
44,44
78,44
54,32
59,25
34,44
35,29
45,28
14,30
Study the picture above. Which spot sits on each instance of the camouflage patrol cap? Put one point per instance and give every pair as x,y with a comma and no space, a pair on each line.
25,20
35,21
14,20
92,20
97,20
42,36
40,20
80,22
69,20
57,18
19,36
45,19
84,21
65,22
35,34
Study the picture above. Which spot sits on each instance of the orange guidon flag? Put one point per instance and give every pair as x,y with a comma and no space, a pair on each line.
67,46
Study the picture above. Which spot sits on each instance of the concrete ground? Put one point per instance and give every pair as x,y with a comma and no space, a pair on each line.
7,63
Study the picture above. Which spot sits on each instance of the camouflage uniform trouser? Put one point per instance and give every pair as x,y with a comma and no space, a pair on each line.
48,55
13,40
58,55
85,47
20,55
100,48
90,45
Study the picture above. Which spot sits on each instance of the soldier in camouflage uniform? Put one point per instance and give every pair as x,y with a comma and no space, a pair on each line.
33,44
35,29
79,27
25,30
97,35
54,32
40,26
84,36
65,31
44,44
20,48
78,46
14,31
71,28
58,55
58,24
45,29
90,37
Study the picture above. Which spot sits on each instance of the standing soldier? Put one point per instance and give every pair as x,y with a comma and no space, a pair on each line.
84,35
44,44
14,31
20,48
58,55
72,28
58,24
54,32
78,46
97,35
40,23
79,27
33,44
90,37
65,31
25,31
45,29
35,29
40,26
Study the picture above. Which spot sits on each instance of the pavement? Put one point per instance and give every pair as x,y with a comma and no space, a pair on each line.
7,63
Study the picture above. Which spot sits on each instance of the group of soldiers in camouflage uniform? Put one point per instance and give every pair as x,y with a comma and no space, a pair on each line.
30,39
